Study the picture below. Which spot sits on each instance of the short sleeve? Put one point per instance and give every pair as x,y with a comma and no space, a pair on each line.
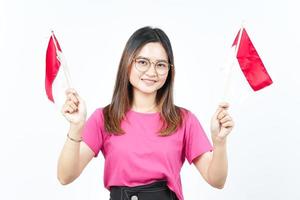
92,134
196,141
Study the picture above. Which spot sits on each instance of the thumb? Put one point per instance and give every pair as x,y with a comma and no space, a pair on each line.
222,106
219,109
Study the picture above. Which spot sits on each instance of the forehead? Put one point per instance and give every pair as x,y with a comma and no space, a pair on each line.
153,50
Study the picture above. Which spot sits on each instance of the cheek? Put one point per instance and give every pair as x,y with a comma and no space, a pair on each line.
134,78
162,82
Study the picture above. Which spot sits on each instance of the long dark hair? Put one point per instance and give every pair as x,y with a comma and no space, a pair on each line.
122,99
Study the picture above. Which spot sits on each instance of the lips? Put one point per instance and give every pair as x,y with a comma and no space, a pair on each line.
145,79
149,82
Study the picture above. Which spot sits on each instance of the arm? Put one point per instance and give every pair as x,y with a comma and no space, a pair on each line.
213,166
73,157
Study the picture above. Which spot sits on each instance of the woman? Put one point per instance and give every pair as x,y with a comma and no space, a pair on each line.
143,136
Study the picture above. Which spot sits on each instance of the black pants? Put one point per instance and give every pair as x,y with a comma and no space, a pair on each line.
154,191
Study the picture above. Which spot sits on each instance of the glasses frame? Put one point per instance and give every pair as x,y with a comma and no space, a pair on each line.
151,62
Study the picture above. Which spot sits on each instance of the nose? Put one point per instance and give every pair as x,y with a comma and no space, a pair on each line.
150,71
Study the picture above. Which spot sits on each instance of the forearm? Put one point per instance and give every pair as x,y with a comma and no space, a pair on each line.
218,168
68,163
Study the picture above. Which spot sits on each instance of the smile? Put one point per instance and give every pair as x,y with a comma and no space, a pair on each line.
149,81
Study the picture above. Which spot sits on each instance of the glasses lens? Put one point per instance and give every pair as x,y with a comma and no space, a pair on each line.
162,67
142,64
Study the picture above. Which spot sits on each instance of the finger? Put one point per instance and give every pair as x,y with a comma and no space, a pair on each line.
222,106
225,119
64,109
69,109
219,109
73,98
76,96
215,116
73,105
222,114
228,124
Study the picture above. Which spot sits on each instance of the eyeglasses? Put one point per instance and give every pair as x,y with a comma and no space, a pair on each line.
142,64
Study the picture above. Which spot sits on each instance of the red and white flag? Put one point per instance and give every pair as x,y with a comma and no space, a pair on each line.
243,71
250,62
57,75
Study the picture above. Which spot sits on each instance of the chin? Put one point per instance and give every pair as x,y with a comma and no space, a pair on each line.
148,91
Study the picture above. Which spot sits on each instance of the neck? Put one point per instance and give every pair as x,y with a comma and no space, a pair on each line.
143,102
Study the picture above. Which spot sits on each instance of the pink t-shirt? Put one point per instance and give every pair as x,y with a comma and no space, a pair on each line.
140,156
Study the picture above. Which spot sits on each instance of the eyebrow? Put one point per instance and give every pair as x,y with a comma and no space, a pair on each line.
159,60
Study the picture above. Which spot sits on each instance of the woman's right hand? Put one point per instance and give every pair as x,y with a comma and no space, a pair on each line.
74,109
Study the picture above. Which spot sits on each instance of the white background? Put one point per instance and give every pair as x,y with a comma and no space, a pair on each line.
263,148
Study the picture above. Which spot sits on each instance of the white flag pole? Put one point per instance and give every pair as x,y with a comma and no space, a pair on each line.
62,61
228,78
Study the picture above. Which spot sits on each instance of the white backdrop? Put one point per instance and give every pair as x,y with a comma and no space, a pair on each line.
263,148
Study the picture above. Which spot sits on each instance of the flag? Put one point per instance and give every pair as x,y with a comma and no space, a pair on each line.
250,62
241,72
52,65
57,78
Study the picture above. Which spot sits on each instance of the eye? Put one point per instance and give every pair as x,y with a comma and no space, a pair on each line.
162,65
142,62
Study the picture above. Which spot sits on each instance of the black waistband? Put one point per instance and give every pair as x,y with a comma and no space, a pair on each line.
154,185
158,188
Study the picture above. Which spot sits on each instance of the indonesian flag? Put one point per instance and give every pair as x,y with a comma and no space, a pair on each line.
57,78
250,62
242,71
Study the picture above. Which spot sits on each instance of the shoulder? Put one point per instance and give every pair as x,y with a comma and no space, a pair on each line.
185,111
99,110
186,114
97,113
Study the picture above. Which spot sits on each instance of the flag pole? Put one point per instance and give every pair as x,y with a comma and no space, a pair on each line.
64,64
228,79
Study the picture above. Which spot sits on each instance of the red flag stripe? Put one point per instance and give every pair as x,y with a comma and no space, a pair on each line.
251,64
52,65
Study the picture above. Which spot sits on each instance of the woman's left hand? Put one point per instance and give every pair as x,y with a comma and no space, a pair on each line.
221,124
